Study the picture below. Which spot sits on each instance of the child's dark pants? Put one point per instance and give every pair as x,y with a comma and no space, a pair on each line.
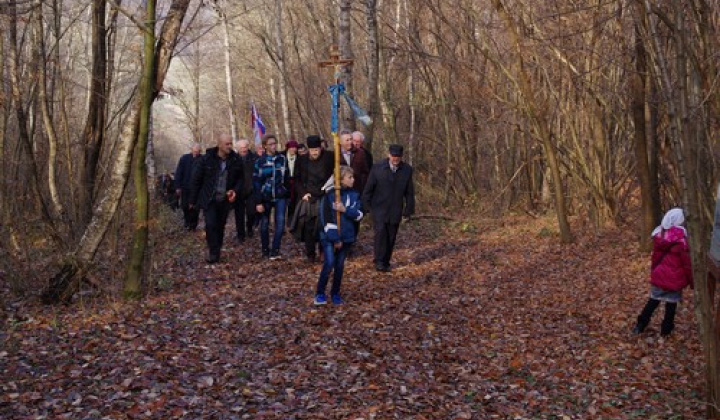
668,322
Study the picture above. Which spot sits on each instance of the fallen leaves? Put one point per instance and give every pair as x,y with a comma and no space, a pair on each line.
502,324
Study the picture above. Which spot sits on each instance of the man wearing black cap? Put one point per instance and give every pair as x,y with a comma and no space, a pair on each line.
389,195
313,171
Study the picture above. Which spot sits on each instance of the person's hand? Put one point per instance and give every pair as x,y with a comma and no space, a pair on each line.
306,197
337,245
178,192
407,218
339,207
260,208
231,195
191,206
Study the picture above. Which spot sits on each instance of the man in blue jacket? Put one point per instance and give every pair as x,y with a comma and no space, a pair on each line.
183,178
217,180
389,196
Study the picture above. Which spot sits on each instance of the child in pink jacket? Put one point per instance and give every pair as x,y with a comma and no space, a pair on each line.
670,271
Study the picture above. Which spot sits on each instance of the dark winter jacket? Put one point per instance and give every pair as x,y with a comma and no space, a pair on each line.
271,179
389,196
248,164
361,168
183,172
328,219
206,173
311,175
671,268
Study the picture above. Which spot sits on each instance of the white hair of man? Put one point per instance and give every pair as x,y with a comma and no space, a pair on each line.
359,135
242,142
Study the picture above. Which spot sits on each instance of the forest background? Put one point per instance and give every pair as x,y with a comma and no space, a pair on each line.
605,113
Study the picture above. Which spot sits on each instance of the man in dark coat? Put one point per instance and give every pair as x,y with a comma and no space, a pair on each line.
244,204
216,182
389,195
313,171
183,179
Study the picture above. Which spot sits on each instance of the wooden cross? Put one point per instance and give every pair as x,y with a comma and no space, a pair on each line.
335,61
338,65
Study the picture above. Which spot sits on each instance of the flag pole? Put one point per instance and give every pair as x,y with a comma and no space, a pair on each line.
337,64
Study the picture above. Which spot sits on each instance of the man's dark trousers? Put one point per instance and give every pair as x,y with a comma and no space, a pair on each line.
215,218
190,215
243,219
385,234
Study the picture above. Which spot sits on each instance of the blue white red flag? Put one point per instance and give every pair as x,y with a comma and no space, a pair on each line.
257,125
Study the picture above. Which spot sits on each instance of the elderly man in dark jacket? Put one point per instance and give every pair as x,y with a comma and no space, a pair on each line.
216,182
389,195
244,204
183,179
313,171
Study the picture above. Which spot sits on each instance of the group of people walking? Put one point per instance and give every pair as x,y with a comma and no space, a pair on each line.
298,186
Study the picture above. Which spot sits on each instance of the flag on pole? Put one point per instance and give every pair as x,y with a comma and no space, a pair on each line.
257,125
360,113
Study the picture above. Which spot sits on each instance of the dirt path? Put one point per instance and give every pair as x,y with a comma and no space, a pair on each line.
497,322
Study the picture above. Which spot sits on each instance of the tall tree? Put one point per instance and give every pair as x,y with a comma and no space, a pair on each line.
66,282
93,136
232,111
136,262
282,68
346,51
649,208
43,102
373,66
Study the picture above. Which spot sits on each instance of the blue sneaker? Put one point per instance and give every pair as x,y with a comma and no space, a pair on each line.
337,300
320,299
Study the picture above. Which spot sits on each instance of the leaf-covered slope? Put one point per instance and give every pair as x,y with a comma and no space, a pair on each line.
500,323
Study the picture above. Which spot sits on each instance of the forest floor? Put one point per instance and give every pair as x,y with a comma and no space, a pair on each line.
487,320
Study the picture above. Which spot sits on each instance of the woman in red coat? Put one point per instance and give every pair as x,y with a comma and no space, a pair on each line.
670,271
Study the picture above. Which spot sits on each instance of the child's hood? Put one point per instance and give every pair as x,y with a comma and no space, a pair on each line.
669,238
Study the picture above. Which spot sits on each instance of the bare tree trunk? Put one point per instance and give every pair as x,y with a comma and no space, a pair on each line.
93,136
639,99
41,74
684,97
282,68
387,106
136,263
411,98
346,52
11,242
222,16
66,282
150,160
373,59
23,119
197,134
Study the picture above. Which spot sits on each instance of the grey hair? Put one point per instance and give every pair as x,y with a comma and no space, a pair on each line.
359,134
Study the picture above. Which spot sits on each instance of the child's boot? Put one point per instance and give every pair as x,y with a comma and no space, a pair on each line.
644,318
639,327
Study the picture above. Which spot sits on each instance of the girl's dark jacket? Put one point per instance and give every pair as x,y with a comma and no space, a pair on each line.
205,176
